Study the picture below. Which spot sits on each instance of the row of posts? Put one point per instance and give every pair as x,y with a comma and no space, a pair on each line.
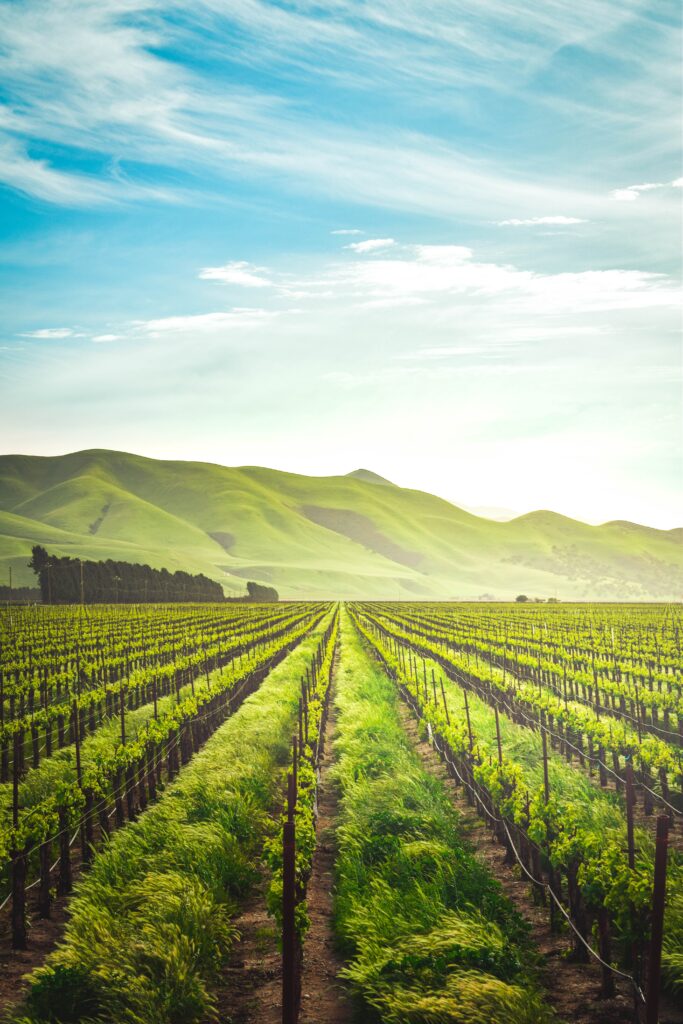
292,951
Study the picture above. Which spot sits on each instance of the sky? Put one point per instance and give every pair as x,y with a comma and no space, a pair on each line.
439,239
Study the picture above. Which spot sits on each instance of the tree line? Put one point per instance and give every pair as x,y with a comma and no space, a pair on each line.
65,580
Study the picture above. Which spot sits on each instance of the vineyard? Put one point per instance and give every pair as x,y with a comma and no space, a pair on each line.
317,812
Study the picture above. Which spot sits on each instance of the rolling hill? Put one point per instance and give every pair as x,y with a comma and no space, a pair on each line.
341,536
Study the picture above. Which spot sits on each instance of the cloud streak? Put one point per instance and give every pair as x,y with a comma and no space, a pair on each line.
205,323
104,87
239,273
371,245
534,221
49,333
439,282
632,192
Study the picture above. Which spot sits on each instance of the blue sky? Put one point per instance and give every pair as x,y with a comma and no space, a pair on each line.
438,240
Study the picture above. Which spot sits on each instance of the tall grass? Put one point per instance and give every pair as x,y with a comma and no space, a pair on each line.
151,922
429,937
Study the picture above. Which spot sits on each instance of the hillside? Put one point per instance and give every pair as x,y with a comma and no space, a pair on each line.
341,536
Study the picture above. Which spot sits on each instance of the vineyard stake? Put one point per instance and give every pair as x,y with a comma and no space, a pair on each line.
289,1013
546,780
658,900
122,710
500,748
630,800
295,762
291,796
19,932
445,705
467,714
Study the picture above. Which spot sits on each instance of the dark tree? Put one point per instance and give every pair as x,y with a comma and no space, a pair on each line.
40,563
257,592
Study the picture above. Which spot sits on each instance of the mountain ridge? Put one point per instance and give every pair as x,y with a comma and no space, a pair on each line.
352,535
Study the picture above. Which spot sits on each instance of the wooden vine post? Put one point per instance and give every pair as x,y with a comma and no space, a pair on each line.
546,798
445,705
469,723
289,1014
19,932
658,902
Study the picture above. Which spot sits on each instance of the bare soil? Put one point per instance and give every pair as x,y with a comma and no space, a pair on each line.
251,985
15,964
324,998
43,936
251,981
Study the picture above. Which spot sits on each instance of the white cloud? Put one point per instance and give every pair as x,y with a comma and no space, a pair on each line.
446,283
237,272
206,322
631,192
347,231
50,332
371,245
445,272
532,221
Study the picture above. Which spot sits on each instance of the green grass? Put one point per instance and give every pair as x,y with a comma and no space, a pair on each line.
589,808
151,923
429,937
377,541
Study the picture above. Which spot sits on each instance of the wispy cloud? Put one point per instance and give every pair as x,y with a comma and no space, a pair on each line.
632,192
238,272
442,283
48,333
371,245
533,221
443,271
203,323
347,231
116,82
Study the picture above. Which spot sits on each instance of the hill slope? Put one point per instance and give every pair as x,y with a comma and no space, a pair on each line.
341,536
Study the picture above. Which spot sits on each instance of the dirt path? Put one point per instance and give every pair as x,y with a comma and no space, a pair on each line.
323,997
572,989
43,937
251,989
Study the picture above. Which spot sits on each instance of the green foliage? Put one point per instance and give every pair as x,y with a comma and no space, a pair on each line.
150,923
672,949
63,994
581,828
305,801
427,932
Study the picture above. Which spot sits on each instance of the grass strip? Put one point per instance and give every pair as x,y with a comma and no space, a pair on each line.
428,934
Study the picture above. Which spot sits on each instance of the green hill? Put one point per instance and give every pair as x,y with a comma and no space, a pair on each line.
340,536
